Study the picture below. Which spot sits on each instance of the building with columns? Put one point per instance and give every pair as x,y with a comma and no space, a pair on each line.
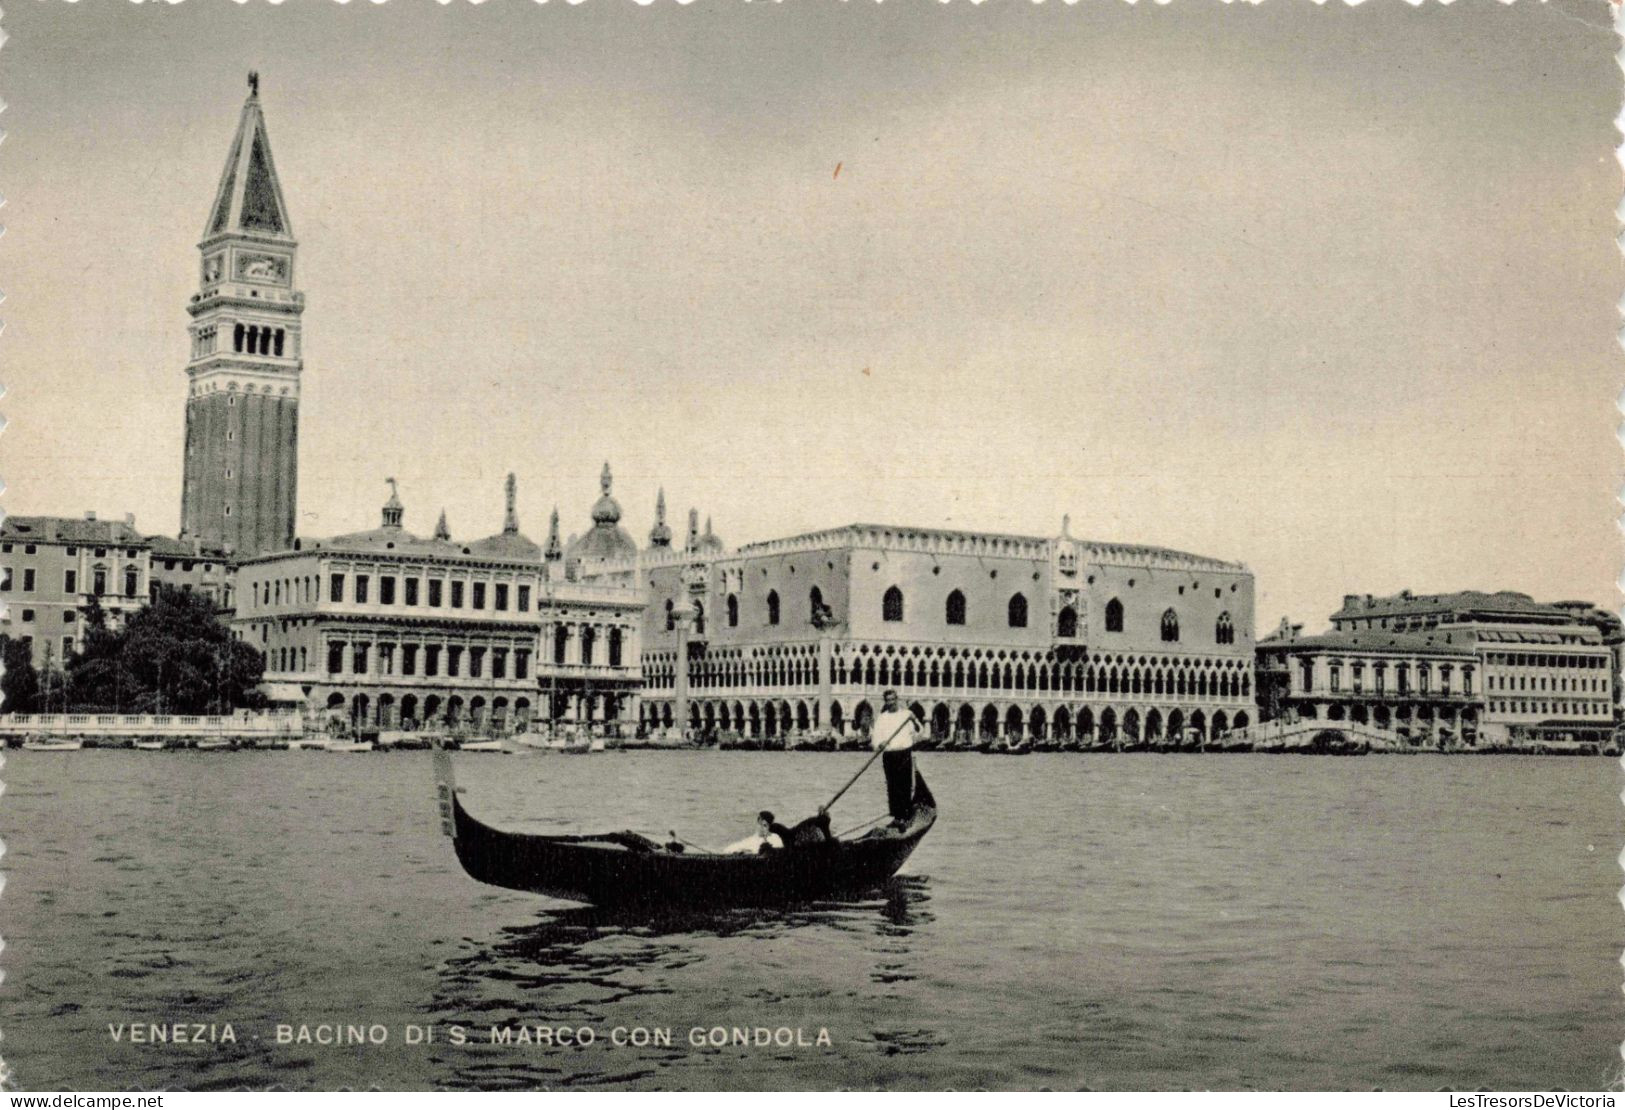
389,629
984,634
242,411
1494,668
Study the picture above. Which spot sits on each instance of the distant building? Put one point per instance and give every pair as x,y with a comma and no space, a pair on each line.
389,629
984,634
1486,668
1416,683
52,569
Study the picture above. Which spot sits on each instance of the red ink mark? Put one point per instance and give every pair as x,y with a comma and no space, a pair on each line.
866,372
838,165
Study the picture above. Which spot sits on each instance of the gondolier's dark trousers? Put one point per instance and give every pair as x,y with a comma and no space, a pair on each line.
899,767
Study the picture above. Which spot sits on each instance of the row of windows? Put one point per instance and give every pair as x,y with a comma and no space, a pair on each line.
588,637
284,659
70,551
1401,670
1588,662
69,616
412,589
67,645
792,671
70,581
254,339
404,658
955,613
1560,708
1540,682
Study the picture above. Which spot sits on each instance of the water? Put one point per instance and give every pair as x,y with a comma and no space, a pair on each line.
1105,921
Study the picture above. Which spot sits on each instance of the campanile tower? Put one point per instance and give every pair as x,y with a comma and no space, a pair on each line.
242,401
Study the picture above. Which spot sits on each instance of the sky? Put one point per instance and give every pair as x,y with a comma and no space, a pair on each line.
1328,291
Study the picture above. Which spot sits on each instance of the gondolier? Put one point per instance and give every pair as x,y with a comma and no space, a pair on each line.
895,730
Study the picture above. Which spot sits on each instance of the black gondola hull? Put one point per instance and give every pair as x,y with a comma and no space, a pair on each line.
610,873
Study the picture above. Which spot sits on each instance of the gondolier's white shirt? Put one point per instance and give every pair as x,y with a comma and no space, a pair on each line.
888,723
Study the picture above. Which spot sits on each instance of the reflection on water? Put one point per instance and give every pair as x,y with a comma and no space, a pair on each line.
1117,922
609,970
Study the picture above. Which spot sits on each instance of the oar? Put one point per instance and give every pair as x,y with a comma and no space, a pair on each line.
908,720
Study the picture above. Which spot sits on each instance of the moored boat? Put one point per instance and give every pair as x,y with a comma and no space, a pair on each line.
41,744
481,745
626,869
149,745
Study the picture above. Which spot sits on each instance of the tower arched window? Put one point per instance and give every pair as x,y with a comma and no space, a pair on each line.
733,610
1114,615
237,339
1066,624
772,607
1018,611
278,342
1224,631
956,608
1170,627
891,605
815,605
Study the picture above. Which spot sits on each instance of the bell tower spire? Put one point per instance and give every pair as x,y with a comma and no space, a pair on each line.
660,534
510,519
242,409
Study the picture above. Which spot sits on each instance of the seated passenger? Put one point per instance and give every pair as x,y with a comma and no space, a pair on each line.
768,835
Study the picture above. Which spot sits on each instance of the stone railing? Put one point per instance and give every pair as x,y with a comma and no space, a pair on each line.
150,724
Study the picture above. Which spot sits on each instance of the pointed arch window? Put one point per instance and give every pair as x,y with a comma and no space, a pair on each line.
671,615
772,607
733,610
891,606
699,618
1018,611
1224,632
1114,615
956,607
1066,624
815,605
1170,627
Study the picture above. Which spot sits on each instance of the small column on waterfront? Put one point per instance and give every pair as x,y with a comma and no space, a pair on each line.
826,659
682,615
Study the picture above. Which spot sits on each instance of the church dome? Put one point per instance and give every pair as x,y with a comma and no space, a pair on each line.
607,510
606,539
603,541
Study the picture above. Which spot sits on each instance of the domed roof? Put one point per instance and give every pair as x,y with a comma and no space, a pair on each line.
607,510
606,539
603,541
390,535
710,541
510,543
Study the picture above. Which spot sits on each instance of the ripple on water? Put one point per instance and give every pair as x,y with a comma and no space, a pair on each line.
1108,922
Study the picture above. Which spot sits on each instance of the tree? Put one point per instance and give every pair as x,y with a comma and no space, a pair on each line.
19,685
174,656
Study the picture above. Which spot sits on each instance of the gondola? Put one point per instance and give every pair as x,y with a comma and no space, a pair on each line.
627,870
